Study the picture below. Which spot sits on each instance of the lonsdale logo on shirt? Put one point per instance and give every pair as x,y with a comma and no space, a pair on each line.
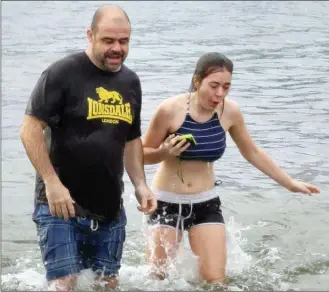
110,107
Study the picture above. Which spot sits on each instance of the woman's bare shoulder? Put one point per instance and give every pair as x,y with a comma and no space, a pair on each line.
232,107
174,103
232,113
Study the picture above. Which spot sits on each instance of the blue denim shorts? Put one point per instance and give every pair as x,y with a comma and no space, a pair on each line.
67,247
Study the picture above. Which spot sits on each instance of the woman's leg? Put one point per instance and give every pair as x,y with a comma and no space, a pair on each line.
208,242
161,248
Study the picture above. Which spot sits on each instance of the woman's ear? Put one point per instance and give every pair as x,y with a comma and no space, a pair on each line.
196,82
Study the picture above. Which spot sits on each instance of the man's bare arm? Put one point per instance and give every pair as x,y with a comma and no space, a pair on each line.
33,139
133,160
134,164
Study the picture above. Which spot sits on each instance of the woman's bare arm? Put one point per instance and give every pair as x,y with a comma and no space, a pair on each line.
259,158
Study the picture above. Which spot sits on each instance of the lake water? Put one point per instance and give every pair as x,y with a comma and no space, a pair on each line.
276,240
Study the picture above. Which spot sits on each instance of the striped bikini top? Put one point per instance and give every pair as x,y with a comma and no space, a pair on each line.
209,136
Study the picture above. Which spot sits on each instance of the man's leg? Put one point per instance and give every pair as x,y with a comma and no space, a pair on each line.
106,246
59,248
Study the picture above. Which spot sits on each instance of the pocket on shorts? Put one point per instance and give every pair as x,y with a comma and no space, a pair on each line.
215,203
117,236
51,229
56,234
107,255
41,214
209,208
57,243
110,239
165,214
115,246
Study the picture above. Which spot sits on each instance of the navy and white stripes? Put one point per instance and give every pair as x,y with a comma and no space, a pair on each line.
210,138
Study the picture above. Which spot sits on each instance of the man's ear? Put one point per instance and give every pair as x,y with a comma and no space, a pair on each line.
90,35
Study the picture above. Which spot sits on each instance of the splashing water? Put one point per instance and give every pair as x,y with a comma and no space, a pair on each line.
28,274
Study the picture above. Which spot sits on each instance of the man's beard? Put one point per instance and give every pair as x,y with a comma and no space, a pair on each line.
109,67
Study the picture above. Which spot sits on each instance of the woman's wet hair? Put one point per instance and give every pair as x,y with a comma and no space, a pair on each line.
208,64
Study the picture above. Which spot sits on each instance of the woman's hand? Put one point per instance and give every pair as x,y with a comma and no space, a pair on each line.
172,146
305,188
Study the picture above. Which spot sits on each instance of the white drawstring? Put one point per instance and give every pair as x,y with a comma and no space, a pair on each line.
180,199
92,221
181,219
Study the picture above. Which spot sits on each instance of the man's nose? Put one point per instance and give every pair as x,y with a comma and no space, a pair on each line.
116,47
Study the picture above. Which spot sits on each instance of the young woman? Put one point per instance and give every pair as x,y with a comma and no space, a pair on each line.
185,181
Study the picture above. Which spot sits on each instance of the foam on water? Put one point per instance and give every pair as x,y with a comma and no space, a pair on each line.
28,273
26,279
246,270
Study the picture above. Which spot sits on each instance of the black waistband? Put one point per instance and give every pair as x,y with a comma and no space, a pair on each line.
84,213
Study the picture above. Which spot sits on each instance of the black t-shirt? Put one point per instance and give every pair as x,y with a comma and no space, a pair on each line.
91,114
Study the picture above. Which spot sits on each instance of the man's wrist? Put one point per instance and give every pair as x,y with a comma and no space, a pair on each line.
140,185
51,178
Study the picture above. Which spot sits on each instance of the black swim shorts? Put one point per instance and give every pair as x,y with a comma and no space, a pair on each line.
186,215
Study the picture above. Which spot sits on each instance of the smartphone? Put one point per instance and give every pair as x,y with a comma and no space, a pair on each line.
189,138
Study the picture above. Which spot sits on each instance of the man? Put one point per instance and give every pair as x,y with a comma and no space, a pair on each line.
88,104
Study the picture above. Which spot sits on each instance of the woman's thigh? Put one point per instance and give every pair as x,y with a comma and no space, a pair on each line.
161,249
162,243
208,242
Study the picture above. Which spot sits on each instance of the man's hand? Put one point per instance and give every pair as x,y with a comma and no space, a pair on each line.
146,199
59,199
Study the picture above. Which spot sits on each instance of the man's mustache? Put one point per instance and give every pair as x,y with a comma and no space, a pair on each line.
113,54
